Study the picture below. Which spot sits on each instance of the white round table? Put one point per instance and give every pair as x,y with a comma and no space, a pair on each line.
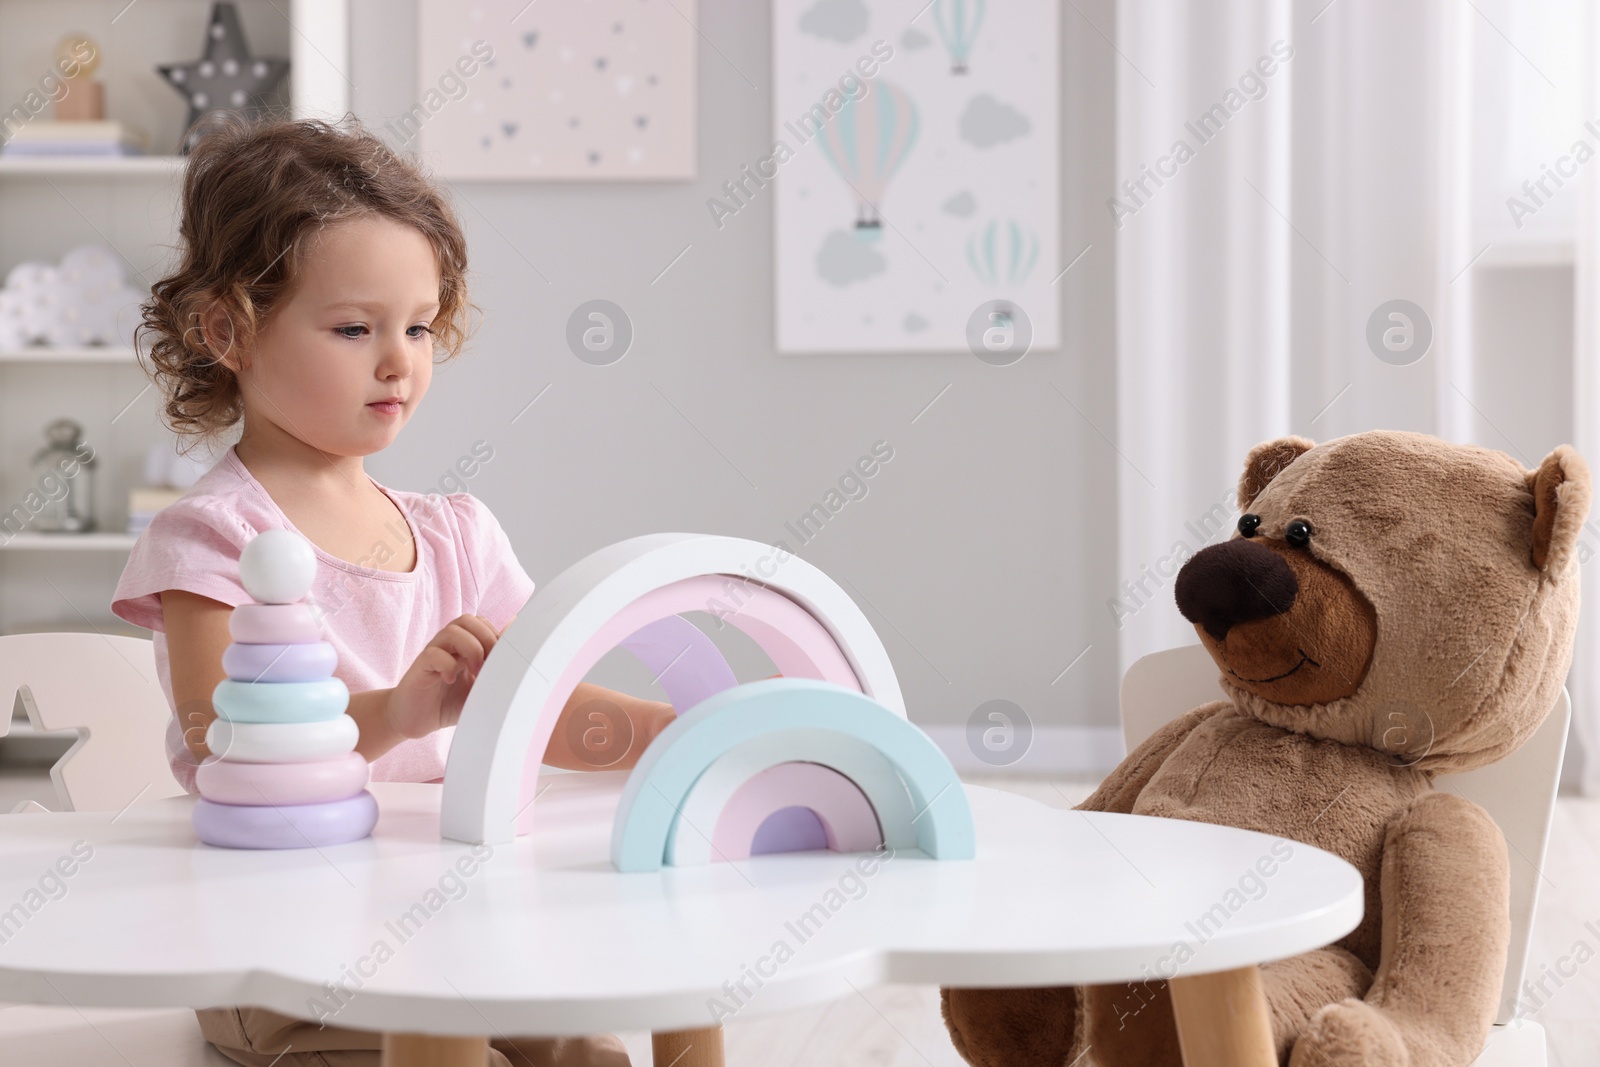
440,945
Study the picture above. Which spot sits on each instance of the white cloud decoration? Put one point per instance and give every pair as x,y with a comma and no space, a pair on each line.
83,301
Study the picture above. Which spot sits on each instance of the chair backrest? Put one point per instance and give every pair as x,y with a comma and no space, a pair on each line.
106,688
1518,792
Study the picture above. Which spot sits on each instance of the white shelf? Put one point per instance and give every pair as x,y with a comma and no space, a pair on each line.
318,85
89,542
47,354
1523,253
90,166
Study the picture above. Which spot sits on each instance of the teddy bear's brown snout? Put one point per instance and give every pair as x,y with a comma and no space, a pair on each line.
1236,581
1281,623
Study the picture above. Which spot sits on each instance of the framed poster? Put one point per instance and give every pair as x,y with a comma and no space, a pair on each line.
915,166
602,89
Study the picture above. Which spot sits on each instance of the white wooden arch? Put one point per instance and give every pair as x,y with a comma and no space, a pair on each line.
507,720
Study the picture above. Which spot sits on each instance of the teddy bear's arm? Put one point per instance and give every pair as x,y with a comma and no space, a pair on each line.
1122,786
1445,895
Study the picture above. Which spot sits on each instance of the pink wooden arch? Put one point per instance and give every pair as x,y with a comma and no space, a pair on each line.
799,645
844,811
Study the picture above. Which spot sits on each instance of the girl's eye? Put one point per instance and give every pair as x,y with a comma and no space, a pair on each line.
340,330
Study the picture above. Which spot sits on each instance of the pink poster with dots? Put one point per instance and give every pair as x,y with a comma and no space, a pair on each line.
560,90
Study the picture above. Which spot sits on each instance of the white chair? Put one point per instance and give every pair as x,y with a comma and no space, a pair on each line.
106,688
1518,792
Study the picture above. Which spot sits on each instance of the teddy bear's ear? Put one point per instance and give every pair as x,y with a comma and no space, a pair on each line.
1561,494
1264,463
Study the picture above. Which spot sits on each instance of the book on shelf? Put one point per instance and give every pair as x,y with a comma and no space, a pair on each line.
101,137
145,501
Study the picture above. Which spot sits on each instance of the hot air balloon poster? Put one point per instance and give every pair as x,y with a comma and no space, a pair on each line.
914,168
509,89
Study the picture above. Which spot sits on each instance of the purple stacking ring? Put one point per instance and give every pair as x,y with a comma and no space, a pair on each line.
286,825
310,662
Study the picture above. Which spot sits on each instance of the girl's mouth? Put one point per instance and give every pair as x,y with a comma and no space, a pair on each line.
392,408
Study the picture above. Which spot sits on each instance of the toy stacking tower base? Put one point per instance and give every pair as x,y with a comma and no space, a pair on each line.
288,825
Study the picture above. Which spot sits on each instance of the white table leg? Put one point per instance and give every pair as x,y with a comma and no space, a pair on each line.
431,1050
686,1048
1223,1020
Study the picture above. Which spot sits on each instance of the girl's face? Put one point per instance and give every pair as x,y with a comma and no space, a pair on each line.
356,331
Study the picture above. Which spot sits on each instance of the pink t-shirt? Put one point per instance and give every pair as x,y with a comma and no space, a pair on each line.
378,621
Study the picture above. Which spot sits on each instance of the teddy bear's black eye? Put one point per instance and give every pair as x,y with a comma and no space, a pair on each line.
1248,524
1298,533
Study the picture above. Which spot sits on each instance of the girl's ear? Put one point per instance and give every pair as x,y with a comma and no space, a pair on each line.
216,336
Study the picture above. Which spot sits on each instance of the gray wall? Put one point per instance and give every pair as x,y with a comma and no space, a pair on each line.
983,551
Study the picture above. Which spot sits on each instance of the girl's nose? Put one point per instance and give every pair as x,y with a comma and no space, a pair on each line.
395,359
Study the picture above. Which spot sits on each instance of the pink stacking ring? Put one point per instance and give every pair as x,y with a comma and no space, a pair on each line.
280,663
286,825
226,781
273,624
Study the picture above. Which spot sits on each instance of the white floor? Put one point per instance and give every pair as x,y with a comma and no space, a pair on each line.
899,1026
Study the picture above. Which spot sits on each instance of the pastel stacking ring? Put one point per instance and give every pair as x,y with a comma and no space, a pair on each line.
227,781
280,663
279,702
286,825
273,624
282,742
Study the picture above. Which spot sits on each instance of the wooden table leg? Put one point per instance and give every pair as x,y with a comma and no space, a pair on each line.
1223,1019
432,1050
687,1048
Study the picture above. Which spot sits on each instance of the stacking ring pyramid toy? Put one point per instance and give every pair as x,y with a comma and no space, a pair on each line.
821,757
287,773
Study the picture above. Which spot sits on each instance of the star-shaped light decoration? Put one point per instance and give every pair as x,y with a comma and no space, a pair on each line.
226,78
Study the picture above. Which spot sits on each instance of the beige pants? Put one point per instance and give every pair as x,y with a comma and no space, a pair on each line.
257,1037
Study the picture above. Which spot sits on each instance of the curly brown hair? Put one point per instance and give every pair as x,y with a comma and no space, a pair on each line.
254,192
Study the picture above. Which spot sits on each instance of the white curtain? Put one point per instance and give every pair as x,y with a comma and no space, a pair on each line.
1203,284
1584,684
1245,281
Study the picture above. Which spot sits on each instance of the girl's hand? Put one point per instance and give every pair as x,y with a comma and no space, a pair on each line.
653,717
648,718
434,688
604,730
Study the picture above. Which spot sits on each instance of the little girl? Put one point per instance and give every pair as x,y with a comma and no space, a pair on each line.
319,274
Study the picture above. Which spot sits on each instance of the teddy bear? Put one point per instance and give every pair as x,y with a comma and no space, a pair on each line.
1391,606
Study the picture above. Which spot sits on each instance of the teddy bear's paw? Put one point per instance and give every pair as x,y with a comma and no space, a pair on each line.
1350,1033
1030,1027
